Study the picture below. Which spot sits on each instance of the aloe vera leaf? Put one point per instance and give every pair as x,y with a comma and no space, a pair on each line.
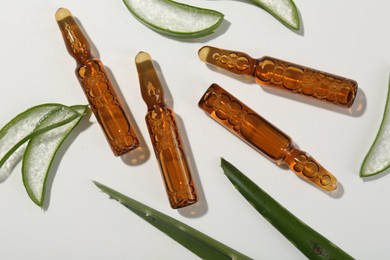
377,159
42,148
174,18
283,10
195,241
307,240
22,127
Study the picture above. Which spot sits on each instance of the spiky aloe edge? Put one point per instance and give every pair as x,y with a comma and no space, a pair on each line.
307,240
194,240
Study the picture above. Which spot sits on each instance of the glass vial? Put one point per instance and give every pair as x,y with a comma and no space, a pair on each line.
165,137
263,136
98,89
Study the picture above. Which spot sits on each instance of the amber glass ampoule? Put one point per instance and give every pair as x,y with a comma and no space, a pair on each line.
284,75
97,87
165,137
263,136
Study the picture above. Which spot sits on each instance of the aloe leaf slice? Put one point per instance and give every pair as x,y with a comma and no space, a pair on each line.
283,10
42,148
312,244
197,242
22,127
377,159
174,18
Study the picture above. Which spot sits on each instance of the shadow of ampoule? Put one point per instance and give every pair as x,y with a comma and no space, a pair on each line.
356,110
140,154
200,208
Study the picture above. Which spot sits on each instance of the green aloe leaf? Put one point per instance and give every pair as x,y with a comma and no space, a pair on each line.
42,148
199,243
377,159
174,18
283,10
307,240
23,127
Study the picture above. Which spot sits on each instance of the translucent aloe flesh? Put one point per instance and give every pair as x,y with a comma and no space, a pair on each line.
283,10
174,18
42,148
377,159
23,127
199,243
40,130
312,244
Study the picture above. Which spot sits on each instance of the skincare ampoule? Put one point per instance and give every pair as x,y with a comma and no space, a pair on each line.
98,89
165,136
263,136
284,75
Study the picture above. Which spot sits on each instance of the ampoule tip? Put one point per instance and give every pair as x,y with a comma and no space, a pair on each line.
203,53
142,56
62,13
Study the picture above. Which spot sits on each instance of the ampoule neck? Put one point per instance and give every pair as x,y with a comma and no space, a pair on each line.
291,153
154,107
75,40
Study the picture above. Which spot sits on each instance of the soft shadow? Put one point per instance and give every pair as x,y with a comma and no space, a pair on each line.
92,46
356,110
81,127
376,176
301,31
200,208
338,193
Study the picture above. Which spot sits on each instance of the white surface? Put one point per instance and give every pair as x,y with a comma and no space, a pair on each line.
342,37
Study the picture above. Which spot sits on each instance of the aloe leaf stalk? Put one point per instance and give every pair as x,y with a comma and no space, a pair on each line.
194,240
307,240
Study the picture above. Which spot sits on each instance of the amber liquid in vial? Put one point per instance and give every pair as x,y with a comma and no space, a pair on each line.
284,75
165,137
93,78
263,136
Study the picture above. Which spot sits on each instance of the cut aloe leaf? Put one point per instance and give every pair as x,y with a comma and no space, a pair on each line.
283,10
21,128
377,159
10,164
200,244
312,244
175,19
42,149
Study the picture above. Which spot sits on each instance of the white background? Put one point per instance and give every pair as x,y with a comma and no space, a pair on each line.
347,38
